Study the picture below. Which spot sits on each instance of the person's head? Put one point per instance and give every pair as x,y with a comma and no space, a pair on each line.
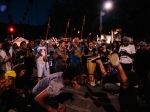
103,41
90,45
23,45
7,78
31,43
114,43
62,44
94,42
9,40
19,70
15,46
42,41
6,47
70,73
104,45
125,41
50,45
143,45
76,40
110,67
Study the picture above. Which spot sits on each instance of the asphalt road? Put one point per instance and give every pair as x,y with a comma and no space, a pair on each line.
94,99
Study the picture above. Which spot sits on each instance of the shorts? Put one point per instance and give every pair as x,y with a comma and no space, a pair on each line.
41,69
52,103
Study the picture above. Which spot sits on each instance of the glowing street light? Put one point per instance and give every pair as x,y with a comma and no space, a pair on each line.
107,6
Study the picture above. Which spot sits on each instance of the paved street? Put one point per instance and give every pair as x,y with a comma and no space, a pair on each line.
93,99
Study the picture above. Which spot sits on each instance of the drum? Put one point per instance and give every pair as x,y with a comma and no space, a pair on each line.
90,66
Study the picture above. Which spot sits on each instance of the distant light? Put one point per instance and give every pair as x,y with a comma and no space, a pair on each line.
3,8
78,32
90,33
108,5
11,29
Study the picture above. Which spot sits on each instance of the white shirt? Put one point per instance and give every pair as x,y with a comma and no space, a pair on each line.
6,66
124,58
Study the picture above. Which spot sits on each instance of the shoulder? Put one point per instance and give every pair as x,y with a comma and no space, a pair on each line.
36,47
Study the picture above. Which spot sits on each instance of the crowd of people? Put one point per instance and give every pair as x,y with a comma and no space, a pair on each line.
122,67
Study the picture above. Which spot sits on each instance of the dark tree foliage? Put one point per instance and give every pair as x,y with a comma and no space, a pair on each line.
74,10
131,15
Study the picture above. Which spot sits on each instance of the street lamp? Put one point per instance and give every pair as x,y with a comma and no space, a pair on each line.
107,6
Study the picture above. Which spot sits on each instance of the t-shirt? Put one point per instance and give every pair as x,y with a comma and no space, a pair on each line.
63,54
52,83
124,58
90,52
4,66
19,55
43,51
74,58
104,56
52,62
27,60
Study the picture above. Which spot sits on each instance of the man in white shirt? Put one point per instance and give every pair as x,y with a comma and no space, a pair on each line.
41,54
126,53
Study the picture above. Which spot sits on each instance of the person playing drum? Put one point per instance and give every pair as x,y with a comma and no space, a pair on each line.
89,67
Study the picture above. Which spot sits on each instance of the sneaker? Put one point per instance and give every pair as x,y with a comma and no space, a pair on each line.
96,58
114,59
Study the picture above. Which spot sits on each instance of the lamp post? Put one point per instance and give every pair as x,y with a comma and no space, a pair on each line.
107,6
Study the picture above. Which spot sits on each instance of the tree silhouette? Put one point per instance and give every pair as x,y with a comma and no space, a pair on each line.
8,7
23,18
28,10
31,3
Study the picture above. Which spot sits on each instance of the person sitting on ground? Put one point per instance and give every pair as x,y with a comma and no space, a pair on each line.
109,78
51,86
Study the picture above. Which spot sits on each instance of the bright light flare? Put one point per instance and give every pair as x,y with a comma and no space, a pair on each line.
108,5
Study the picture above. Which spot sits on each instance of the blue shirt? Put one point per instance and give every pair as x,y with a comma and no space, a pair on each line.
52,62
73,58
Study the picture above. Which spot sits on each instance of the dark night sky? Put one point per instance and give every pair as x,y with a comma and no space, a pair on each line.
18,7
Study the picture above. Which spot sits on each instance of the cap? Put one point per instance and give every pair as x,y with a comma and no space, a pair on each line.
125,39
142,43
10,74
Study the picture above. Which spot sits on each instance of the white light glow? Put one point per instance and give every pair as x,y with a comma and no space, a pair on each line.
108,5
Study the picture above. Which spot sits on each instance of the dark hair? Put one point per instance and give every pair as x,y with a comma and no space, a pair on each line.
8,39
70,73
6,47
60,42
17,68
42,38
22,43
104,44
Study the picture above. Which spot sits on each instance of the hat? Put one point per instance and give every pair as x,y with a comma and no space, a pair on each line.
125,39
10,74
142,43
